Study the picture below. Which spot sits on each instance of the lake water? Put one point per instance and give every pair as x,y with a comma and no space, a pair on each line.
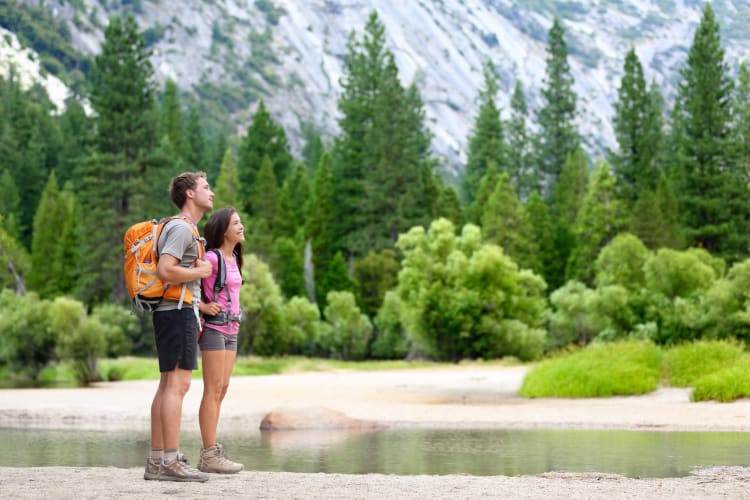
404,452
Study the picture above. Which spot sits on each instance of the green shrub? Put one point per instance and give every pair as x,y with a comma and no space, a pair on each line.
463,299
600,370
686,363
350,329
391,341
724,385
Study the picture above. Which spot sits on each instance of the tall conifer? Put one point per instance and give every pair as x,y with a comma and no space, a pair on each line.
558,136
382,169
486,143
321,222
505,223
598,221
519,144
265,138
638,129
115,184
712,188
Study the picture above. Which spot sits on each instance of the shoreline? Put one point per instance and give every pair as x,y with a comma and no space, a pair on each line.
449,398
104,483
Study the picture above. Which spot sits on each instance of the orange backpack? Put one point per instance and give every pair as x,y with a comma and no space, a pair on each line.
141,256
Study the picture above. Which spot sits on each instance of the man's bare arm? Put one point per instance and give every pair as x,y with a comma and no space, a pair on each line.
169,270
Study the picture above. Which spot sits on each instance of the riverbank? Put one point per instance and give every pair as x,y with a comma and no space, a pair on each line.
455,397
109,483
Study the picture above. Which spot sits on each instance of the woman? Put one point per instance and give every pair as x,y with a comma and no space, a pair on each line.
218,343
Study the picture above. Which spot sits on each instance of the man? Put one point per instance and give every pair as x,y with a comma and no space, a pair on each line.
176,324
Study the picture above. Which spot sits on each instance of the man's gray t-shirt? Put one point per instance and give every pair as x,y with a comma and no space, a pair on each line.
177,240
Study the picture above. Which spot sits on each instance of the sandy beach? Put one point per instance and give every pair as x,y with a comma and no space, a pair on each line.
456,397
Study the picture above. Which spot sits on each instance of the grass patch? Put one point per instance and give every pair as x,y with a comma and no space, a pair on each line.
724,385
134,368
145,368
599,370
129,368
687,363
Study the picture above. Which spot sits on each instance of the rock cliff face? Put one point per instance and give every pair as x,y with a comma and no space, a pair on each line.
290,52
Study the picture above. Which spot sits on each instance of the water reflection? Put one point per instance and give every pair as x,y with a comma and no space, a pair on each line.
405,452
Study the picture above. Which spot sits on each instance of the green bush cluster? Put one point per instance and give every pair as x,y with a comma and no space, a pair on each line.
668,296
36,332
717,370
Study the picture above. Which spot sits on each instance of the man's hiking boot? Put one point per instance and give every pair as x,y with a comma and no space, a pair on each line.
178,471
154,468
213,459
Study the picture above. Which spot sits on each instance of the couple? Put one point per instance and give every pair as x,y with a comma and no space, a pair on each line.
184,261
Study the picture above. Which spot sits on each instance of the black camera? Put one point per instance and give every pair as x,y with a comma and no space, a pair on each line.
220,318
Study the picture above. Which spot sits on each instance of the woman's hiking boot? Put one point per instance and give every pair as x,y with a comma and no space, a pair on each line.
213,459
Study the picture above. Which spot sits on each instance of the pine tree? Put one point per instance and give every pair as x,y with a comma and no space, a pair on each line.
568,198
487,185
638,129
30,178
712,191
519,145
67,247
504,223
313,148
571,188
381,158
321,223
286,262
541,232
598,221
194,151
336,279
264,205
10,203
296,189
50,217
172,121
123,91
77,140
668,207
558,136
265,138
226,187
376,273
116,182
218,146
740,129
486,144
654,218
449,206
102,227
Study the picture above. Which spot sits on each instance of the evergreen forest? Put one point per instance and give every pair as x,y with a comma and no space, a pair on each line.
358,248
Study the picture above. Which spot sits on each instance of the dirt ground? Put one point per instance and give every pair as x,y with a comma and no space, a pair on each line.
459,397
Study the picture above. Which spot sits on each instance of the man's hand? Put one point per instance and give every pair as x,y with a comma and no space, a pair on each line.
203,267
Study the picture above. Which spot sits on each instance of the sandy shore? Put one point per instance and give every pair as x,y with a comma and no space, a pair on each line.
457,397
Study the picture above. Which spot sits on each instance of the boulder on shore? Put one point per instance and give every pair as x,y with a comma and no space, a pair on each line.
315,418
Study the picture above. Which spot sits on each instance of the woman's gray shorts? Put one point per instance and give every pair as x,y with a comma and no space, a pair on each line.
211,340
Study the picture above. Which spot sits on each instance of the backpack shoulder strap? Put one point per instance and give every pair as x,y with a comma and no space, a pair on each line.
221,273
196,235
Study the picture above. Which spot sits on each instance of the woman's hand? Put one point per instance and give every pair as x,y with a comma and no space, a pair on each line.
211,308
